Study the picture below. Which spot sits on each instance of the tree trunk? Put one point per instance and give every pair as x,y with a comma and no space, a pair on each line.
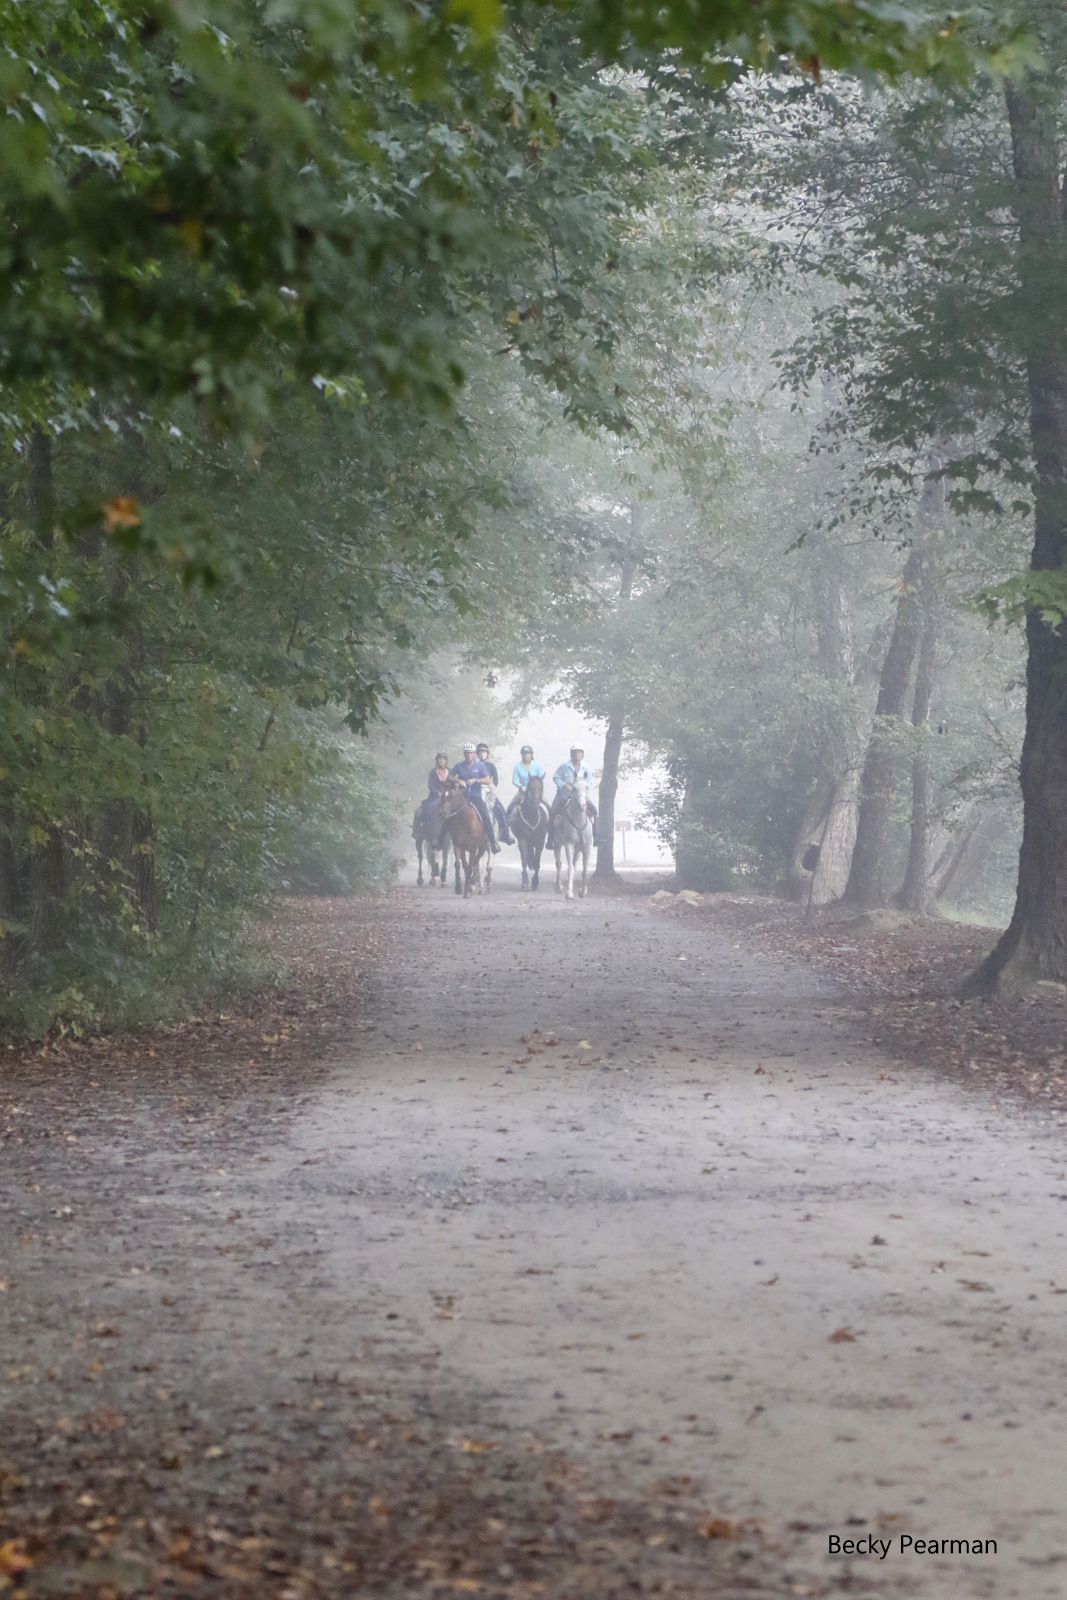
838,844
609,788
1034,945
914,893
810,838
609,778
867,886
827,826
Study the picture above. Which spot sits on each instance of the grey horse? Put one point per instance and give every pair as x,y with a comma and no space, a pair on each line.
573,837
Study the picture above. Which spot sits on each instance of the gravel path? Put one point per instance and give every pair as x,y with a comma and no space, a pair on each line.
591,1185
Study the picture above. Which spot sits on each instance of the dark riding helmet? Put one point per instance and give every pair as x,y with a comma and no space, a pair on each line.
442,755
482,746
527,750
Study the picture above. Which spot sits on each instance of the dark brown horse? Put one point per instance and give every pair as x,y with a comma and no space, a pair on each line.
529,823
431,835
469,842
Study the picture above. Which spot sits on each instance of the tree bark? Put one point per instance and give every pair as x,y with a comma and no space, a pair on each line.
1034,946
867,880
828,830
609,788
609,778
914,893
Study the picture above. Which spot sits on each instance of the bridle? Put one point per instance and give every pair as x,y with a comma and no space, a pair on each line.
574,808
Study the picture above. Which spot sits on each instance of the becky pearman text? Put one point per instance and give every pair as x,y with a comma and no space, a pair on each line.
869,1545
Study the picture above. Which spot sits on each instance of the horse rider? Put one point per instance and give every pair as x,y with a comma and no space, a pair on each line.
524,769
474,776
500,816
567,773
438,778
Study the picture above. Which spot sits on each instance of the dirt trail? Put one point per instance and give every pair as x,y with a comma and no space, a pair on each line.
609,1178
645,1246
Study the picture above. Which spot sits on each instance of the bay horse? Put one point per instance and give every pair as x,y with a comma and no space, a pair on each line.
573,836
430,833
529,823
469,841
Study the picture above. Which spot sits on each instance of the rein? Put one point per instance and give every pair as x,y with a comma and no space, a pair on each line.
530,821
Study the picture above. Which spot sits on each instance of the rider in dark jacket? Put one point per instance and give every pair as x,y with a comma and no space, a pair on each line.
438,777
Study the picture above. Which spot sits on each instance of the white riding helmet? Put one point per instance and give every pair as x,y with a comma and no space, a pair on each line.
469,748
577,749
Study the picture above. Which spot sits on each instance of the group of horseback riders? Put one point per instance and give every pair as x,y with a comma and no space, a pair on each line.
479,779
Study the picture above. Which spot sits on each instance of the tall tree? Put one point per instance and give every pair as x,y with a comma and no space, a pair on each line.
1035,943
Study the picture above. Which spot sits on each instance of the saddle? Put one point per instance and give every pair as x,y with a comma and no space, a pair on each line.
433,822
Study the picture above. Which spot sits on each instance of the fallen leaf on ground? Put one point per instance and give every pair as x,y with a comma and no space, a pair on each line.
975,1286
478,1447
13,1557
842,1336
718,1528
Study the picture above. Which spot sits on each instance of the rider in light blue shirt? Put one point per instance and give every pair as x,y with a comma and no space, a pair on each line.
572,771
568,772
526,768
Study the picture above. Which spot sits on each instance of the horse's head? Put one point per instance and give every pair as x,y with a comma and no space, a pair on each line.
530,809
453,797
574,804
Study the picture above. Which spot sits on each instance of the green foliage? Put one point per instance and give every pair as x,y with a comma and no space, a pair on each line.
299,305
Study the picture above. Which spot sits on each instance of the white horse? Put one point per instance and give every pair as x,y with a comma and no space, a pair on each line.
573,837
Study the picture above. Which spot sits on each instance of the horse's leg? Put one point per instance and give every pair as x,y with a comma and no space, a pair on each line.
418,880
585,872
455,851
523,862
488,872
569,851
559,866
